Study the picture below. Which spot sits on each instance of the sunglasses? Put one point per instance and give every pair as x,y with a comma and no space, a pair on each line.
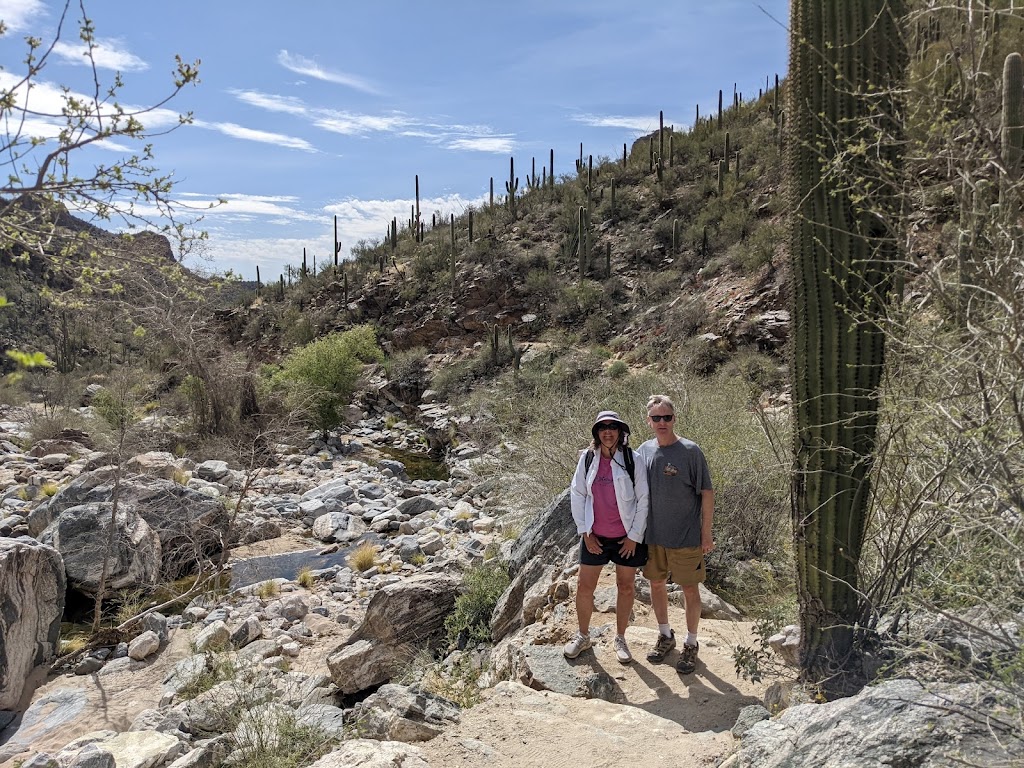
604,426
658,417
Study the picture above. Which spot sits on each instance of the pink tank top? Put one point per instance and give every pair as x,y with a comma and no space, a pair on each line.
606,509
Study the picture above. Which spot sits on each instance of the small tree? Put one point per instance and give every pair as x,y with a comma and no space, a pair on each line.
321,376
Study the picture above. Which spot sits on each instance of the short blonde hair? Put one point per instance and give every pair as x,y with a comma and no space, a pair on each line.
656,400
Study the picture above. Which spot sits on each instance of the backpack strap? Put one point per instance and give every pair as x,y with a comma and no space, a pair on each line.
627,460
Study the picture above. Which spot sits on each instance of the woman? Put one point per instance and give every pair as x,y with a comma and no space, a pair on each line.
610,510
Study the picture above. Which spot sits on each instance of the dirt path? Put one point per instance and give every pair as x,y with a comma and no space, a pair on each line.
669,718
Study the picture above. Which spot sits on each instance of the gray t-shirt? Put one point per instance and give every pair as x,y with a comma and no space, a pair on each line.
677,474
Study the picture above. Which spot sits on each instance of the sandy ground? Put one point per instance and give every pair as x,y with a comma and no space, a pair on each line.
672,719
668,718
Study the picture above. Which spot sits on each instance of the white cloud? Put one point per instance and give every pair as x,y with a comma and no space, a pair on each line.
107,54
17,14
474,138
351,124
265,137
640,124
300,65
272,103
498,144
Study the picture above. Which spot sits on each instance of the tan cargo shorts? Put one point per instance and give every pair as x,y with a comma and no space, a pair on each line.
685,565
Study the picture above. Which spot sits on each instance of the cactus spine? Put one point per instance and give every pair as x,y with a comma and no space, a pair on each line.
844,79
1011,132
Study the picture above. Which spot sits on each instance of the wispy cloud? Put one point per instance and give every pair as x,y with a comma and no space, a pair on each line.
354,124
17,14
272,102
300,65
642,124
264,137
497,144
106,54
476,138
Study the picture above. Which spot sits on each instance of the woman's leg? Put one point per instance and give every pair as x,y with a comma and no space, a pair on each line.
625,579
585,586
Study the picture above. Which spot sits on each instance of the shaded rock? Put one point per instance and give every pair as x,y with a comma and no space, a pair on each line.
82,535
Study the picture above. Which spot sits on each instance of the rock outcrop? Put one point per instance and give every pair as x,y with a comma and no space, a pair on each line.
32,589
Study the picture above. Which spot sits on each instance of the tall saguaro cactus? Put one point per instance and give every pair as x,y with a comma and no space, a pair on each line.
847,58
1011,131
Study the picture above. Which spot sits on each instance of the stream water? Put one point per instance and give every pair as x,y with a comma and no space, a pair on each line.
253,570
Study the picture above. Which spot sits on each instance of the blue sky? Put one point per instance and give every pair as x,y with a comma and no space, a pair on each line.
309,109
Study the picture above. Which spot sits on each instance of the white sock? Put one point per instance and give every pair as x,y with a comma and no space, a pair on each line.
691,638
665,630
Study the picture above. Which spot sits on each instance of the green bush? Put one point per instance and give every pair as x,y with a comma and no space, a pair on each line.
470,622
320,377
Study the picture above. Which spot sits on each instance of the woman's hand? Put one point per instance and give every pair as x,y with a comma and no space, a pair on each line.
592,544
628,548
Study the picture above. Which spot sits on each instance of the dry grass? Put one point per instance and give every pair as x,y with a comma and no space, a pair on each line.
363,557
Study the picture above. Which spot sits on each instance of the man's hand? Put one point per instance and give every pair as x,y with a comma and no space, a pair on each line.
592,544
707,543
628,548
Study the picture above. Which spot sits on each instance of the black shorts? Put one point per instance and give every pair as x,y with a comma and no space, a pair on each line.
610,553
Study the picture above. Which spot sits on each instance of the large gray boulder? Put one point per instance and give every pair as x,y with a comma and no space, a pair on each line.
82,536
32,589
400,618
534,558
401,713
895,723
190,524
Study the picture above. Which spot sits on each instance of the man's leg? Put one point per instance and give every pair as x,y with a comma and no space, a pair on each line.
659,600
692,595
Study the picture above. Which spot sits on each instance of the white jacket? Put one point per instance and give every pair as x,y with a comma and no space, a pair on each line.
632,498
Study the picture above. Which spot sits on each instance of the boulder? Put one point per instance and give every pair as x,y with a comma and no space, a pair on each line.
189,523
368,753
32,591
399,616
533,560
401,713
82,535
898,722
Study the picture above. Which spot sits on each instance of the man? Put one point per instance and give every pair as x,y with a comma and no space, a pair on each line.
682,505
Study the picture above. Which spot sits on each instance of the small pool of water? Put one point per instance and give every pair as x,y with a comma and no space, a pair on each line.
418,466
254,570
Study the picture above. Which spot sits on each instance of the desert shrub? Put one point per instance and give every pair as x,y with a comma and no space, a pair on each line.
268,589
305,578
406,364
578,300
470,622
617,369
321,376
46,427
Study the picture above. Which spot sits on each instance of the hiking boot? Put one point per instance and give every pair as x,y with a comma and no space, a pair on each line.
576,646
687,659
622,650
661,648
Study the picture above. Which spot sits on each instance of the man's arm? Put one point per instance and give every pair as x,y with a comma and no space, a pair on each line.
707,514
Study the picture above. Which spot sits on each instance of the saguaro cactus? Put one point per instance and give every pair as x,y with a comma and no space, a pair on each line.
847,59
